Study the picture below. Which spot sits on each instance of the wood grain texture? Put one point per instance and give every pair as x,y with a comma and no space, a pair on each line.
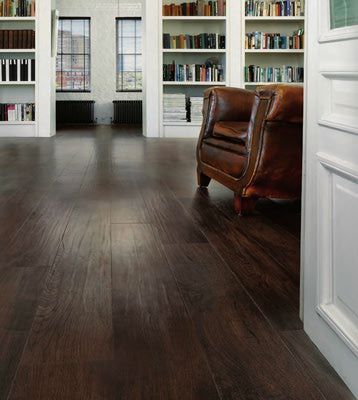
120,281
272,289
157,352
247,355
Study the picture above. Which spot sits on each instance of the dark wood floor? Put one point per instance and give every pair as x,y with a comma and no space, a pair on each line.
119,280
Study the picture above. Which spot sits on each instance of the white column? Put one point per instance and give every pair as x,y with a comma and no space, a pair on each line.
151,68
45,71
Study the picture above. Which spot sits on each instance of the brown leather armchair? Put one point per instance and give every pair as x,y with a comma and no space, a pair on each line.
251,142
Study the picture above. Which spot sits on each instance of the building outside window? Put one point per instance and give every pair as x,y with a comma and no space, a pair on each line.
73,64
129,54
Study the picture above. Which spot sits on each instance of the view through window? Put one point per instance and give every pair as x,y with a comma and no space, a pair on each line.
129,54
73,58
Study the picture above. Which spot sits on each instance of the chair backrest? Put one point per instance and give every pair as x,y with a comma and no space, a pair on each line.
275,141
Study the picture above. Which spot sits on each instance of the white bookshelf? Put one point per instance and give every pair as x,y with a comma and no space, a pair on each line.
270,57
19,92
192,25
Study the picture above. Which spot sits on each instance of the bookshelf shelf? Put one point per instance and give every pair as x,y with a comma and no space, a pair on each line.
194,50
17,19
272,83
195,124
14,51
195,18
169,83
17,83
280,51
274,19
2,123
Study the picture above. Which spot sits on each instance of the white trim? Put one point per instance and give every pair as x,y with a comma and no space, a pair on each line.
326,34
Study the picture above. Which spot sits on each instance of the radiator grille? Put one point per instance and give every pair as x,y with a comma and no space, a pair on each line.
127,112
75,112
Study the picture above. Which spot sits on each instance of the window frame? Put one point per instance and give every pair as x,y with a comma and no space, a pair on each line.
61,90
133,54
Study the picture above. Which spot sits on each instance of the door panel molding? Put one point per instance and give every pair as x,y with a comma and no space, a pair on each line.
337,179
338,104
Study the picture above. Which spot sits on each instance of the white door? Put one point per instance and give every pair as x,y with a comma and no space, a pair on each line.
330,220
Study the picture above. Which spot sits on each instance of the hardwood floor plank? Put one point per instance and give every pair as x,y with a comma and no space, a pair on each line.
157,352
73,320
127,203
247,356
272,289
75,381
173,223
20,289
11,345
325,378
44,226
271,237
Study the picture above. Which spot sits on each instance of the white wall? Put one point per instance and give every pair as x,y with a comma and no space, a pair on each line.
103,50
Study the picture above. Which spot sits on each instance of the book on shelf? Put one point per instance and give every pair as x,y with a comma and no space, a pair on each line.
265,41
207,72
201,8
284,74
23,112
175,107
17,70
274,8
17,39
196,109
201,41
17,8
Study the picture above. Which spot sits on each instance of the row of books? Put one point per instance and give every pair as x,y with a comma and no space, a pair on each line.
193,72
17,112
177,107
261,40
285,73
17,39
19,70
17,8
202,41
274,8
208,8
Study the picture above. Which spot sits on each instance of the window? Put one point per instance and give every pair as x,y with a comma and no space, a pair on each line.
129,55
73,58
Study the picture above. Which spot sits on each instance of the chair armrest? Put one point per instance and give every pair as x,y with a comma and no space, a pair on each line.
225,104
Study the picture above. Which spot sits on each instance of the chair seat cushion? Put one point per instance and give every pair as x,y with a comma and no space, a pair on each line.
231,130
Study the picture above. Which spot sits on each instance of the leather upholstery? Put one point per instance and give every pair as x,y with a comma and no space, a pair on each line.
252,141
235,131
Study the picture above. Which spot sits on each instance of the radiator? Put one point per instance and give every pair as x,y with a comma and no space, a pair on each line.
75,112
127,112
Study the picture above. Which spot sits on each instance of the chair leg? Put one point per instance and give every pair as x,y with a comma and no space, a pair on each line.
203,180
244,205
